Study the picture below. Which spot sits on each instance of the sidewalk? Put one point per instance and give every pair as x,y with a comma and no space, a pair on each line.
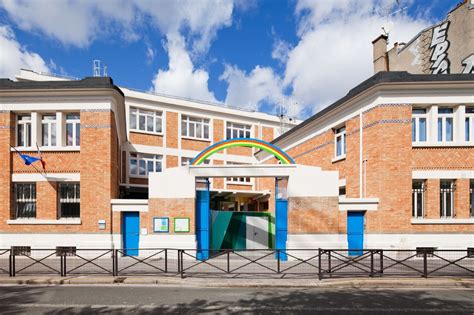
242,282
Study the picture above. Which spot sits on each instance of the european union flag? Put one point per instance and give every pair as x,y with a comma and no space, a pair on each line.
29,159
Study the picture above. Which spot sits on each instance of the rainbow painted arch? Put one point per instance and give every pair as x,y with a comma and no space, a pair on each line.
243,142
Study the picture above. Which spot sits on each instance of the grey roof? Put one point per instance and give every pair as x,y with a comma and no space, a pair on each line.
86,83
381,77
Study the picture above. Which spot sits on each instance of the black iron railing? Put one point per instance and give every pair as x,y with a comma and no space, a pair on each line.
303,263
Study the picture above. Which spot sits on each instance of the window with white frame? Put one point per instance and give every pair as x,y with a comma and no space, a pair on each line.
238,180
146,120
24,130
49,130
418,125
469,124
340,141
447,198
445,124
234,130
195,127
25,200
73,130
69,200
142,164
418,195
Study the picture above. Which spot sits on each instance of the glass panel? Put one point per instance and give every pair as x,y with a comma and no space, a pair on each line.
158,166
234,133
445,110
149,167
45,134
53,134
419,111
20,135
69,135
133,167
413,129
419,206
28,134
448,204
339,146
133,119
229,133
199,131
422,129
466,129
469,110
142,167
247,134
440,129
158,124
72,116
206,131
449,129
184,129
149,123
191,130
49,117
141,122
78,133
441,204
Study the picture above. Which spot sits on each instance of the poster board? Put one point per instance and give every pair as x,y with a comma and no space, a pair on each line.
181,225
161,225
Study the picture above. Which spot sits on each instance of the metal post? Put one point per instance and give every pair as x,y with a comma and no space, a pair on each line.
278,260
320,274
228,261
182,267
381,262
114,262
166,259
425,263
13,265
371,263
10,265
329,264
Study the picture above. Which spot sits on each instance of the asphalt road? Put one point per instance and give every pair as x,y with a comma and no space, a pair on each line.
177,300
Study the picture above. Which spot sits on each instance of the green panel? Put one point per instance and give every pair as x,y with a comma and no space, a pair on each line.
220,224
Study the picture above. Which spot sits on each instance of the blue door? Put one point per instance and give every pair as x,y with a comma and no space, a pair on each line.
130,232
203,218
355,232
281,226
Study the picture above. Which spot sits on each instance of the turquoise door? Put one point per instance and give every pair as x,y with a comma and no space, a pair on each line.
203,218
355,232
131,232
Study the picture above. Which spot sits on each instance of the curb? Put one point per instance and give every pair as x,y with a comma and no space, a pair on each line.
412,283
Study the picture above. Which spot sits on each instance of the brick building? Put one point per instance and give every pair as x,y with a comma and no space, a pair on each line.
100,142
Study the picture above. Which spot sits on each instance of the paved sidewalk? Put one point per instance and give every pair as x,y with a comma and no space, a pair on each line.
240,282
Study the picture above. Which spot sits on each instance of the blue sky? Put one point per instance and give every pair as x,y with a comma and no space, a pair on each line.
246,53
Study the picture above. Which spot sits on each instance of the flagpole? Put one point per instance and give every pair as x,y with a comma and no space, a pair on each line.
42,173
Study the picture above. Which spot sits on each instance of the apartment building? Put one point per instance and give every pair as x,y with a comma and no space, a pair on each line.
403,147
100,142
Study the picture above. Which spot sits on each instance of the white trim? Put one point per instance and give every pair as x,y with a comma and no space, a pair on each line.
442,144
45,149
339,158
37,177
356,204
266,170
62,221
119,205
442,174
342,182
443,221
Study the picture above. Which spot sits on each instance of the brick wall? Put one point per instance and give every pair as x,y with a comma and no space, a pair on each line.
171,208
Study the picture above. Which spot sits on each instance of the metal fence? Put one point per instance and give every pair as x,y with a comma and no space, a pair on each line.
288,263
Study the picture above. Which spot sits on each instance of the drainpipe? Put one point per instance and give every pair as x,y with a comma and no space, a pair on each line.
360,155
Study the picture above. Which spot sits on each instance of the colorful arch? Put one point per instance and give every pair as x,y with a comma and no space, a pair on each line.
243,142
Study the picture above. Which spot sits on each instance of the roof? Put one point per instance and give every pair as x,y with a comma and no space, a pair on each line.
86,83
381,77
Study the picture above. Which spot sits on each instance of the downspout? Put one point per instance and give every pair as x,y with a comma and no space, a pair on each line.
360,155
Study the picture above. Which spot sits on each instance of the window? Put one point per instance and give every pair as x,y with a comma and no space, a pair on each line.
187,161
142,164
471,197
342,191
49,130
445,124
418,204
24,130
73,130
146,120
25,200
69,200
194,127
446,198
418,125
234,130
340,142
238,180
469,124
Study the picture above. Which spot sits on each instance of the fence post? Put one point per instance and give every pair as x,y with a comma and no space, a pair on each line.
381,261
182,265
425,263
166,260
320,274
278,260
12,264
228,261
179,261
329,264
114,262
371,263
63,264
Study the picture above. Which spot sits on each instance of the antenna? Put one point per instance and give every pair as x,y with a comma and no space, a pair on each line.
388,25
105,70
96,68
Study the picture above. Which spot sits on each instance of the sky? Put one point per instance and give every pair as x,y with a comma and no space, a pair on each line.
266,55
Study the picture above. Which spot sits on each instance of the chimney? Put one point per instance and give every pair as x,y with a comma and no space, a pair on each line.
380,53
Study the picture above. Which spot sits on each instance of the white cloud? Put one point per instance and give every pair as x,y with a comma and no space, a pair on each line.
181,78
250,90
334,52
281,50
13,56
